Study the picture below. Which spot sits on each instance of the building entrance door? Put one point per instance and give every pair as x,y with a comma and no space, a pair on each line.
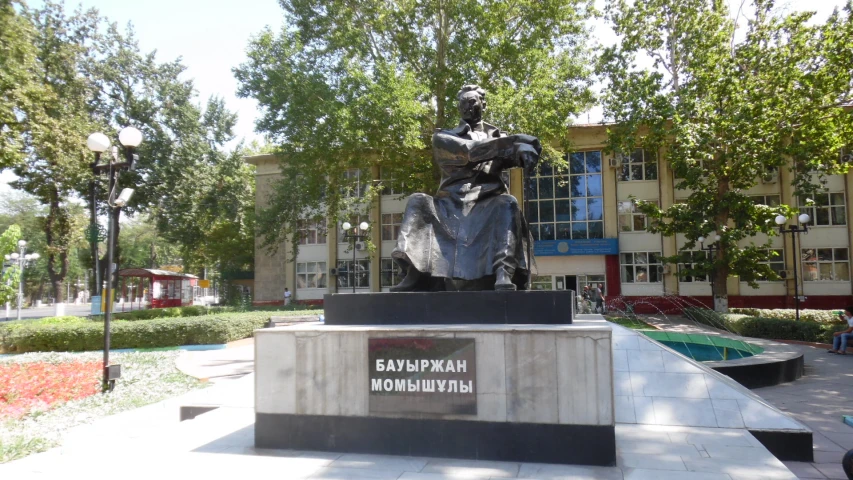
571,283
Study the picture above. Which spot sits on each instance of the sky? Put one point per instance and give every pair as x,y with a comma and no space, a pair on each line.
211,36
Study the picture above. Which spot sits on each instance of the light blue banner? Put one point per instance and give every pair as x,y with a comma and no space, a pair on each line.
594,246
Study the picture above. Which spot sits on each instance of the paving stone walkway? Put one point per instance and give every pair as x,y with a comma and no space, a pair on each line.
145,444
818,399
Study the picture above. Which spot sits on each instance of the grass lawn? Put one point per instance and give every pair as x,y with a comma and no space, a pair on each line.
42,395
632,323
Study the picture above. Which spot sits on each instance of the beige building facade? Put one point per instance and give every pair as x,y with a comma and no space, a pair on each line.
587,230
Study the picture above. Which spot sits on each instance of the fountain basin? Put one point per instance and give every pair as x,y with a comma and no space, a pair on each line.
704,348
752,362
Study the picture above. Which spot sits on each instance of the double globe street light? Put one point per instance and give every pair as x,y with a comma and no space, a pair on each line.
355,235
21,258
130,138
794,230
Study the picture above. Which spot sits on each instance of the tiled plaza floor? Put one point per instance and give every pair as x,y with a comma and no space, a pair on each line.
219,445
818,400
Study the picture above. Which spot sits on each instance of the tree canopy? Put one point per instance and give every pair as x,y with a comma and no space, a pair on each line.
725,110
353,85
70,74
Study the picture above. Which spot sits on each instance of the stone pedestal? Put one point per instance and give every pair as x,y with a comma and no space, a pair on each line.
537,393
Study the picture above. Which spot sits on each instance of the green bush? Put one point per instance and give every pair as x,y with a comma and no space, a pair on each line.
776,329
171,332
769,328
197,310
819,316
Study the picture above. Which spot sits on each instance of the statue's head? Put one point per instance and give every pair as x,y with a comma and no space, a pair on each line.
472,102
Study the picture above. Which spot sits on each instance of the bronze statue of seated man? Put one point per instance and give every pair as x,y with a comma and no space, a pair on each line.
471,235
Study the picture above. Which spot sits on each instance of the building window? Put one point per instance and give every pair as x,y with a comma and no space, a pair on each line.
769,200
541,282
354,184
775,260
679,173
690,259
641,267
631,219
360,275
391,225
390,273
390,185
311,275
567,206
826,265
828,209
312,232
640,165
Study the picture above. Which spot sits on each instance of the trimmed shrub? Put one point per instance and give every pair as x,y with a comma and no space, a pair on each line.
769,328
819,316
776,329
170,332
197,310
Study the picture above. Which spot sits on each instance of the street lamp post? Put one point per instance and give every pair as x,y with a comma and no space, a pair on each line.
130,138
712,249
363,226
22,258
794,230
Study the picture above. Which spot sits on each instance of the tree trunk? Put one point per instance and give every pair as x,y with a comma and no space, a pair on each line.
721,265
57,234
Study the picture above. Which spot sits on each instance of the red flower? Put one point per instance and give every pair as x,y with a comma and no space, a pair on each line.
25,387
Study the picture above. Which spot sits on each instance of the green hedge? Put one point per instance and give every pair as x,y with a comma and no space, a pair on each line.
820,316
167,332
769,328
197,310
776,329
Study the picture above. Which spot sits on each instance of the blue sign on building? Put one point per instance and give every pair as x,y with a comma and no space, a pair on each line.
593,246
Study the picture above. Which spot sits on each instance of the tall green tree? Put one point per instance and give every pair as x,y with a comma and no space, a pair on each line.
144,247
53,167
348,85
725,110
20,85
207,204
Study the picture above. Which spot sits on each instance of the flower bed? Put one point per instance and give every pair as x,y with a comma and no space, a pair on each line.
30,387
146,377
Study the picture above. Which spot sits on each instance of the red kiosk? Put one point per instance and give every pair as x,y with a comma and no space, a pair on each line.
157,288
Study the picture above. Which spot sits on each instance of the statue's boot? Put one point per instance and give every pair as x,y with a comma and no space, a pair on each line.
410,283
503,279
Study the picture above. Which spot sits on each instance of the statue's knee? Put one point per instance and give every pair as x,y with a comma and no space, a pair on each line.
509,201
418,200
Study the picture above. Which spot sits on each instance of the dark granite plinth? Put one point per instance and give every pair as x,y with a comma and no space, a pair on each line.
513,442
423,308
